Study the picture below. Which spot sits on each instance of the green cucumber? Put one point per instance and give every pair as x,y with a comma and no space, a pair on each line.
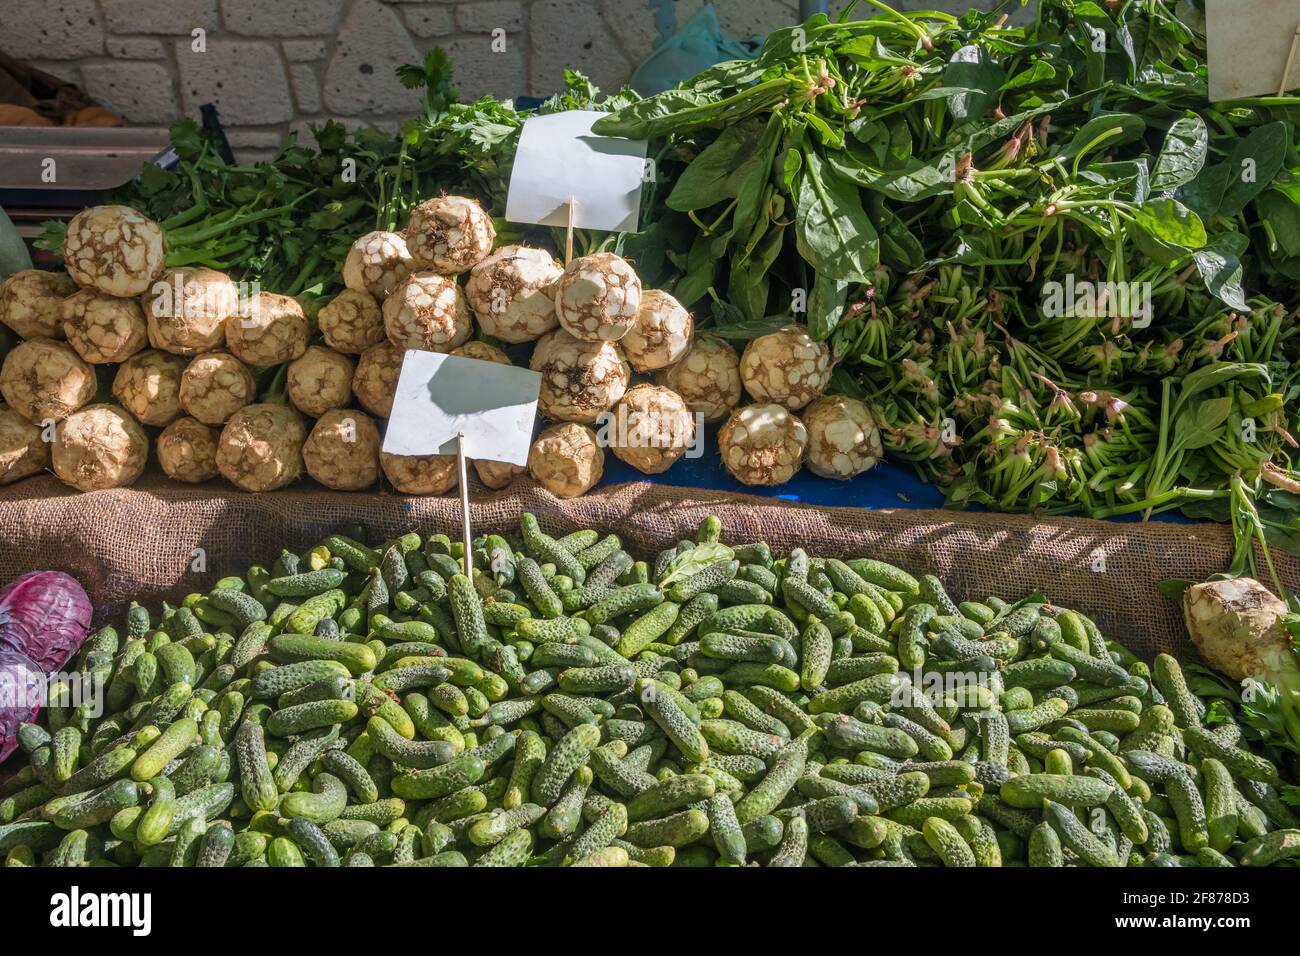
570,753
306,583
274,681
175,740
325,802
257,783
457,774
295,648
1028,792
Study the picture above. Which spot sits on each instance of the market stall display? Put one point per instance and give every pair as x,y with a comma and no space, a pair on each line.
1032,261
575,706
956,209
1060,278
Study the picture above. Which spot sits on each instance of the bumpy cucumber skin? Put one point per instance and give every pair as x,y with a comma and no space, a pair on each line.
323,804
1029,792
256,780
793,848
461,771
946,841
676,830
784,773
1078,837
564,759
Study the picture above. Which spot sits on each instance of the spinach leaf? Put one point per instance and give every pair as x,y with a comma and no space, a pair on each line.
707,180
1219,263
1204,194
1214,376
1040,71
656,116
834,234
913,181
1202,424
826,305
977,77
1183,155
1170,222
1255,162
752,178
701,267
1283,217
694,560
1105,133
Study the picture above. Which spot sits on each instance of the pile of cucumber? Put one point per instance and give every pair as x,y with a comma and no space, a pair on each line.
369,705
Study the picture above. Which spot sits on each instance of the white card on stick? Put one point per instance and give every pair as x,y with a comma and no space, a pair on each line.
559,158
439,396
1249,45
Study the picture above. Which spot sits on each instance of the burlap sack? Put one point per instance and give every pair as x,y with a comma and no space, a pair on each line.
144,543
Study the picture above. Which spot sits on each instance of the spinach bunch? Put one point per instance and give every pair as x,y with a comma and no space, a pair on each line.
925,191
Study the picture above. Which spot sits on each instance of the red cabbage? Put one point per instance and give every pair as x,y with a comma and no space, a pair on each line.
44,618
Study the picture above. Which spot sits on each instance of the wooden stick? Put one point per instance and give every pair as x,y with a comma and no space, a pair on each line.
464,506
1290,61
568,237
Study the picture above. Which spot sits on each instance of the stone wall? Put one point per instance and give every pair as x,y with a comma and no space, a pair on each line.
276,65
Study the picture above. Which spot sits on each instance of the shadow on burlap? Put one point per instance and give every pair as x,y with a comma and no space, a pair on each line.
139,543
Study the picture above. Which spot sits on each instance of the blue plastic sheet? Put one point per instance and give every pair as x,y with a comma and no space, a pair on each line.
889,485
698,45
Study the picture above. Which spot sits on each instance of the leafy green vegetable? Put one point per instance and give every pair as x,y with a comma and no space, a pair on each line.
1051,267
694,560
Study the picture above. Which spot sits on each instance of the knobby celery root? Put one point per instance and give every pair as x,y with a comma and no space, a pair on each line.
1242,629
23,448
319,380
376,263
114,249
103,329
31,302
651,428
261,447
187,450
579,379
566,460
483,351
661,335
99,447
762,444
707,378
42,379
421,474
843,440
214,386
427,311
598,297
187,310
449,234
374,382
149,385
352,322
511,293
788,367
342,451
268,330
